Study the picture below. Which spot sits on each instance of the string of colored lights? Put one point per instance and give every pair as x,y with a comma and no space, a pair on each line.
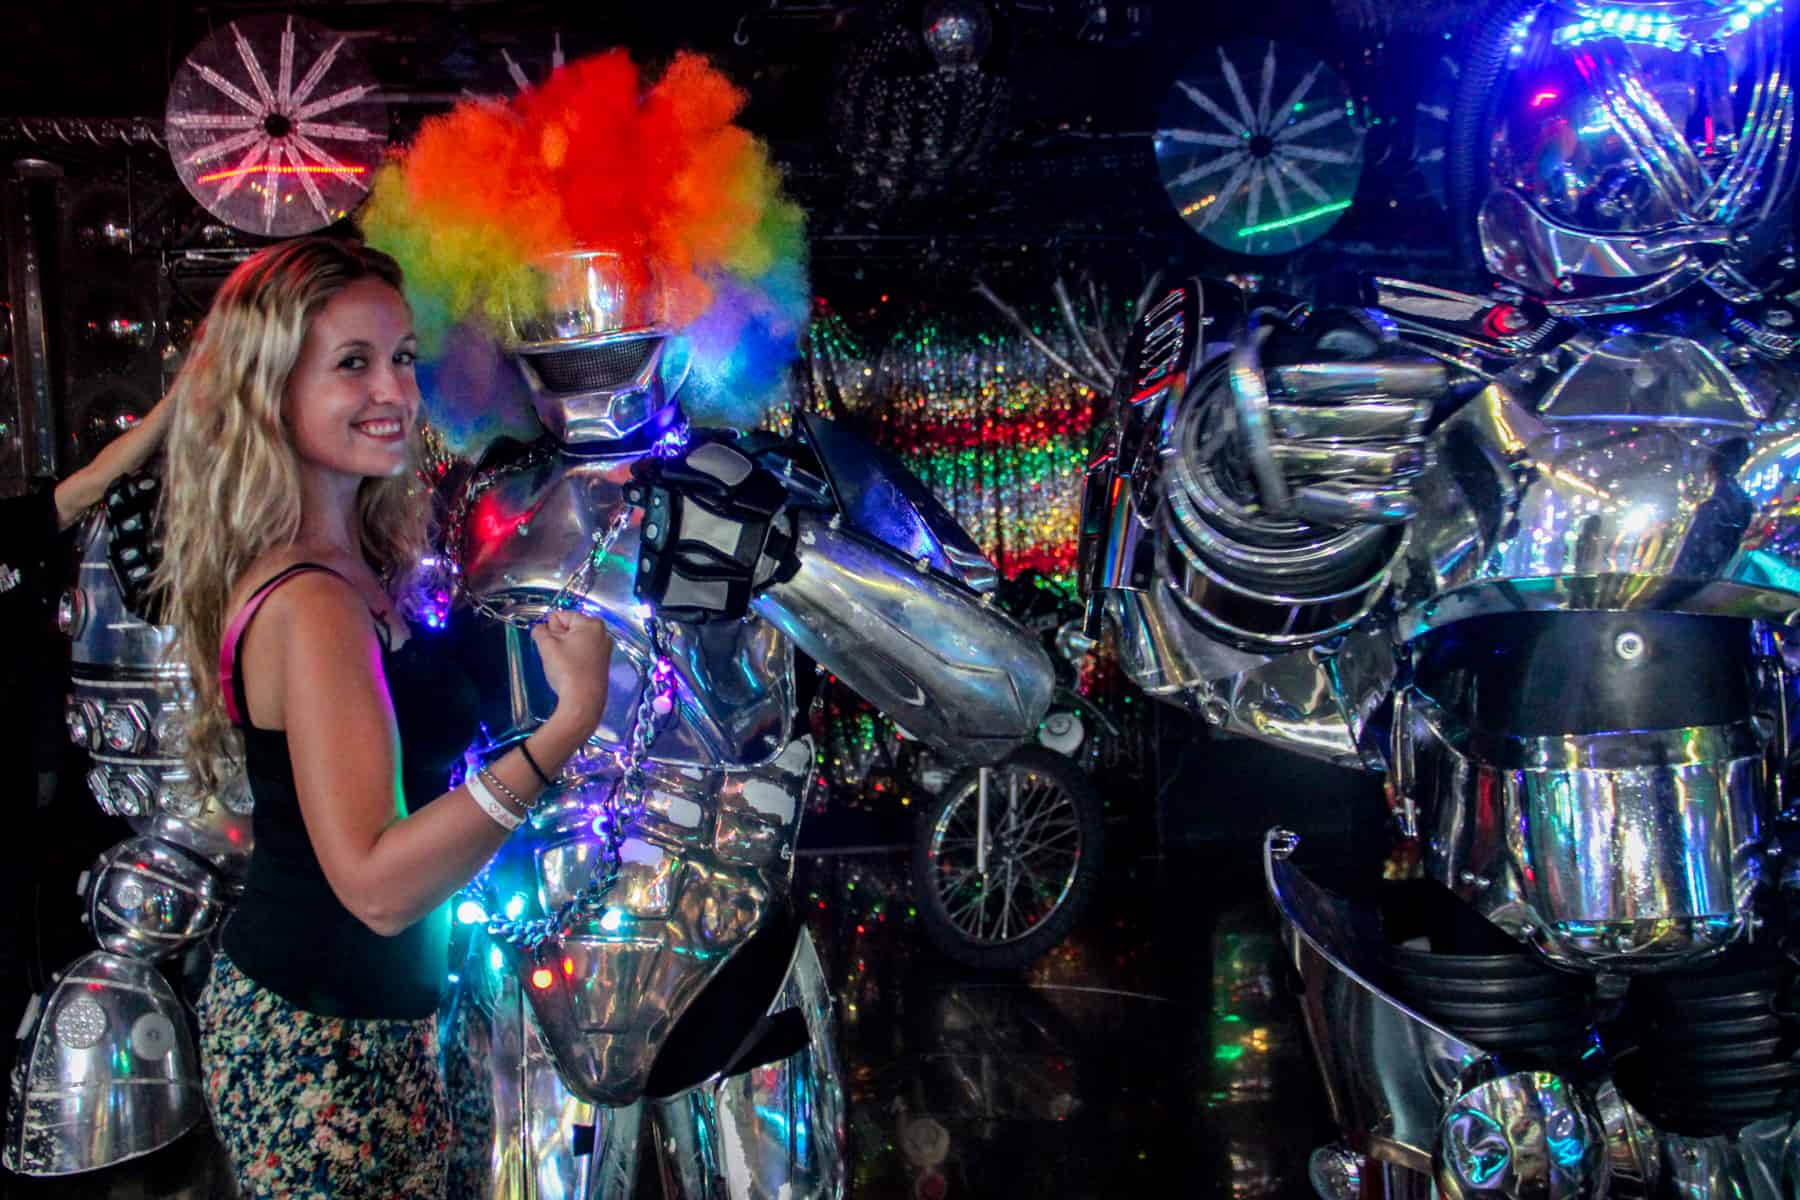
1000,434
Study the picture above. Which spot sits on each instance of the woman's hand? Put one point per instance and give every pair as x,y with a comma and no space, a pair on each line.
576,652
121,456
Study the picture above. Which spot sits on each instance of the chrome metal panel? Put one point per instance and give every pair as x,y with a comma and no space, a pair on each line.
703,867
1759,1162
127,705
146,900
106,1072
589,294
960,676
1388,1071
515,1120
775,1132
1161,651
108,641
1645,483
526,534
1623,851
1633,1147
881,499
1120,494
1316,702
1526,1134
1600,200
595,300
1526,248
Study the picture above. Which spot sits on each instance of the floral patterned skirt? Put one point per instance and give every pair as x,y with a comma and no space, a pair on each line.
315,1106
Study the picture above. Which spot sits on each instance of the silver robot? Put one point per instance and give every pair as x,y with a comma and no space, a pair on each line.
1533,555
107,1069
633,953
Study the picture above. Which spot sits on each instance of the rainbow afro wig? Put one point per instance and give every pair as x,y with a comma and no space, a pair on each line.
597,157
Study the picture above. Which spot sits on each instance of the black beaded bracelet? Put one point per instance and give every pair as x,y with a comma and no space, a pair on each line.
535,769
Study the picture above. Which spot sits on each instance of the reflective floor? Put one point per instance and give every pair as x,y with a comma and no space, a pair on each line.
1154,1053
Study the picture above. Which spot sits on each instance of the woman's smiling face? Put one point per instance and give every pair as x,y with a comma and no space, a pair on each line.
352,401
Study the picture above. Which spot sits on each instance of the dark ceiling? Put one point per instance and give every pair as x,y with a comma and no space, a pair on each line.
1068,164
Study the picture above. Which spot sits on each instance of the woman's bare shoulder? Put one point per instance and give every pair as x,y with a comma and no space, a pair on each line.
320,595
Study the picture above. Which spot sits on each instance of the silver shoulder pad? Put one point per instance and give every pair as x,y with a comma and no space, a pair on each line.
881,499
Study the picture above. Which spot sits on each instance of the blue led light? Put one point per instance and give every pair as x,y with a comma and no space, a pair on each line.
1660,29
612,920
470,912
515,908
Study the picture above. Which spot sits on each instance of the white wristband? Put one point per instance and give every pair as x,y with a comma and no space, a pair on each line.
502,816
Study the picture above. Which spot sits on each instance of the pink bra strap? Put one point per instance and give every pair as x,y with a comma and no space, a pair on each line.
231,687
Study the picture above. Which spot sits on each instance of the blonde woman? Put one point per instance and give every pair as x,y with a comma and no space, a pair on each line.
291,513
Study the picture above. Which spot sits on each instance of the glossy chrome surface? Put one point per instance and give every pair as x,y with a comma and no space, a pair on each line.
1309,555
127,705
106,1071
1644,480
1120,495
1343,448
703,866
960,676
880,499
145,899
579,414
1526,248
514,1119
1336,1173
598,361
1529,1134
590,294
775,1132
1659,153
108,641
1615,851
1633,1147
1388,1071
530,530
1757,1163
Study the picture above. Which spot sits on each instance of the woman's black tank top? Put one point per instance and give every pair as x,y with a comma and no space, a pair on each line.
290,933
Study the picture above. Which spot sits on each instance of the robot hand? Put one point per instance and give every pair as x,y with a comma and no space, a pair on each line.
1328,423
713,534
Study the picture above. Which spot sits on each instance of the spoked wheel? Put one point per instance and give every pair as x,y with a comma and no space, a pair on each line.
1044,835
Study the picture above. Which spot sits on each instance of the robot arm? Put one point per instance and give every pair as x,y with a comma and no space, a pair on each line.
1241,528
861,570
957,674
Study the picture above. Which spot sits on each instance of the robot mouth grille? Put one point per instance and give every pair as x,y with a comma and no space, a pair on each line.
594,368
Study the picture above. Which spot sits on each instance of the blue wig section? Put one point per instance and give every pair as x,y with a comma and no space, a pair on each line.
743,346
473,393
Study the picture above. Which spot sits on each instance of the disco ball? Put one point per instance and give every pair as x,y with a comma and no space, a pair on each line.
957,32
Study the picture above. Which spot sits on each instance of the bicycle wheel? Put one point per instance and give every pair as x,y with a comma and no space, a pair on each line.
1045,833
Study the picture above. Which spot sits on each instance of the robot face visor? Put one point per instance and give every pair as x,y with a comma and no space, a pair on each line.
1632,143
613,390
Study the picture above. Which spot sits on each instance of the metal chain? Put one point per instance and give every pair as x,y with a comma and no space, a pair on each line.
671,444
622,805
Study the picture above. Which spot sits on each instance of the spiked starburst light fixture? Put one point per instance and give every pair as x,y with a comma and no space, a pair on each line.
275,126
1259,146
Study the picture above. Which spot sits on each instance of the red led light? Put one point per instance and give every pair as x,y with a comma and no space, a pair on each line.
342,170
1544,97
569,967
542,978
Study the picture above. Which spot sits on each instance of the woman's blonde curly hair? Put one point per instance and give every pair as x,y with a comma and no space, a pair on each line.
231,491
